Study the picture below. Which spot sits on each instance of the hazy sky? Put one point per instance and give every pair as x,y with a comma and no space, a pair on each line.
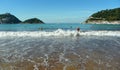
56,11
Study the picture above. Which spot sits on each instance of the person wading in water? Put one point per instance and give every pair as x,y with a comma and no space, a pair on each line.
78,30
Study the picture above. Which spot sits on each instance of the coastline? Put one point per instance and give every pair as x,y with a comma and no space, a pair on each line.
102,22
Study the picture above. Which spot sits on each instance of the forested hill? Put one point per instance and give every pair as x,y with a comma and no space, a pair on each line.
106,15
33,21
8,18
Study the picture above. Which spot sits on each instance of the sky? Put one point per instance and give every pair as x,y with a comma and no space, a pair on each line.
56,11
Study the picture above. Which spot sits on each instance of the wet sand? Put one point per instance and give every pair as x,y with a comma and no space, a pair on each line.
60,53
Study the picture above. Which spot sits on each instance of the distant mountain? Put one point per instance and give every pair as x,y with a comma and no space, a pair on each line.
33,20
8,18
105,16
11,19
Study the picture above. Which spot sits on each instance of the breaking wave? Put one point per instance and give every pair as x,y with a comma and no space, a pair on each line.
60,32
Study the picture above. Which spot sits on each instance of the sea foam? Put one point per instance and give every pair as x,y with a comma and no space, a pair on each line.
59,32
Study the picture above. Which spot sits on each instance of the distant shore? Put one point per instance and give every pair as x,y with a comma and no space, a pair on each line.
103,22
108,16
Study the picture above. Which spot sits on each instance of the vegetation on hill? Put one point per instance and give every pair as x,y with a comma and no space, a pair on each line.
11,19
33,20
106,15
8,18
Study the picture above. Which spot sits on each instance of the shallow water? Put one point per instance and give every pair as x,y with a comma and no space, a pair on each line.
59,47
60,53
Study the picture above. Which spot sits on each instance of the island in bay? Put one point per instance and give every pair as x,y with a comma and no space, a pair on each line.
8,18
109,16
33,20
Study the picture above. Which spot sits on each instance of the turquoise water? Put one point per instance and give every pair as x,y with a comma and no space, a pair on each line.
55,26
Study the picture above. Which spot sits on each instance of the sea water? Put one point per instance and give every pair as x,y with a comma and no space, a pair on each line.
58,47
53,27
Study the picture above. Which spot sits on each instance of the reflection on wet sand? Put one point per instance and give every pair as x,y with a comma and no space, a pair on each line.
54,64
92,53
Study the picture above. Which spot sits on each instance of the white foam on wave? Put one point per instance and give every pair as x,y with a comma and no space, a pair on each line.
59,32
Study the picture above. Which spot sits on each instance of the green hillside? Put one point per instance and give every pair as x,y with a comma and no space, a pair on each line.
106,15
33,20
8,18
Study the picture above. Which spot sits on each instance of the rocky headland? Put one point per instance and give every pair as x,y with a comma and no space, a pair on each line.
109,16
8,18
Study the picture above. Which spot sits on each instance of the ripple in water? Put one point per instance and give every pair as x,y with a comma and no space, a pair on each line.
60,53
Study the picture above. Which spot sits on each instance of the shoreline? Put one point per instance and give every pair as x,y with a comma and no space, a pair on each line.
102,22
28,53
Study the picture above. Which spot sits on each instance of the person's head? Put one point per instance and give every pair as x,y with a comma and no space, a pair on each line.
78,29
